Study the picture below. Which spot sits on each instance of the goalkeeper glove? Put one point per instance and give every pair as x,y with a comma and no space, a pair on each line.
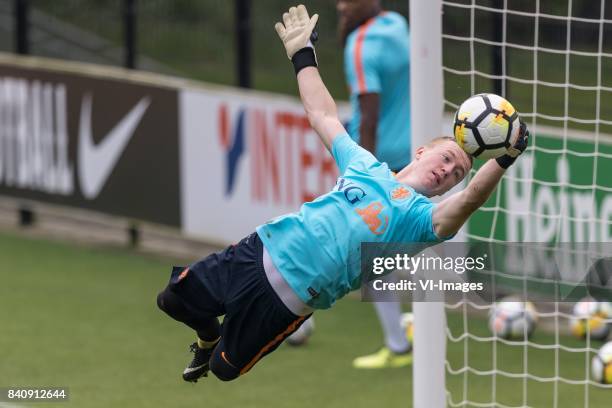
515,151
297,33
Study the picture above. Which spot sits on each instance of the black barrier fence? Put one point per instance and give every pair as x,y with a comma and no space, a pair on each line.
234,43
227,42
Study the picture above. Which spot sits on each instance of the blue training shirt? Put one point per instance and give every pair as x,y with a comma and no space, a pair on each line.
377,60
317,250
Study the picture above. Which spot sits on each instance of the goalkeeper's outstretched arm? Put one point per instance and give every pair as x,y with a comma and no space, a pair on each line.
295,32
450,214
319,105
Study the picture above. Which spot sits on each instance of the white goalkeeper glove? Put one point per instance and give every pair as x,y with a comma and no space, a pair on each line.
296,29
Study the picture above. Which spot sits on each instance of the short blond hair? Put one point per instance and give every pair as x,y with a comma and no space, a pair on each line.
441,139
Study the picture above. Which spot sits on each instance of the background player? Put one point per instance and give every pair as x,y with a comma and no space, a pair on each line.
377,67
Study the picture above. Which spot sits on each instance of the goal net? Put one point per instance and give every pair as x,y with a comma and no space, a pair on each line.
553,60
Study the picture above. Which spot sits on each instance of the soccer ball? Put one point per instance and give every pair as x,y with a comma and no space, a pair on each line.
512,318
590,317
486,125
407,323
302,334
601,365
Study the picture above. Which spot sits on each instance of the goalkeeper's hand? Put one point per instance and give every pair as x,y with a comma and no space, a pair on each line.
296,29
515,150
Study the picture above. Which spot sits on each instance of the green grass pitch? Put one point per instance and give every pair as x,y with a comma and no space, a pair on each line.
86,319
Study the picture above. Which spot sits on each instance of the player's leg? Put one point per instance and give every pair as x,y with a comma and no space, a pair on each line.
195,297
389,316
257,321
397,349
221,366
207,330
250,336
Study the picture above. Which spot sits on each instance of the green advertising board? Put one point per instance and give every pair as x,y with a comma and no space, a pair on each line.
559,192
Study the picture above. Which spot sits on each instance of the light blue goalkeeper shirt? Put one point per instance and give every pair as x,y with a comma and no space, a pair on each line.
317,250
377,60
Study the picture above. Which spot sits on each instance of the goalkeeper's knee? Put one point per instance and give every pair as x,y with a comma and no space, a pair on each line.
222,368
172,305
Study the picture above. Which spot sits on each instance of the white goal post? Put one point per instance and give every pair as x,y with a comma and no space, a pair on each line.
426,87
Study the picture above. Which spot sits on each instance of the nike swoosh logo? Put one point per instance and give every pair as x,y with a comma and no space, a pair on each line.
96,162
192,369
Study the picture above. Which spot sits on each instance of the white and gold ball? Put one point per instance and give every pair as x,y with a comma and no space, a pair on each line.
513,319
591,318
601,365
486,125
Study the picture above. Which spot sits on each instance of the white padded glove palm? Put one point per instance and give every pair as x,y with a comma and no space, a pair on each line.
296,28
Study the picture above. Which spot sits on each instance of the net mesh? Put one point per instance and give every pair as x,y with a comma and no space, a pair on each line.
553,61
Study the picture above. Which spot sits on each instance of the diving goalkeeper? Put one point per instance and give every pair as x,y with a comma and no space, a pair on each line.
269,283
